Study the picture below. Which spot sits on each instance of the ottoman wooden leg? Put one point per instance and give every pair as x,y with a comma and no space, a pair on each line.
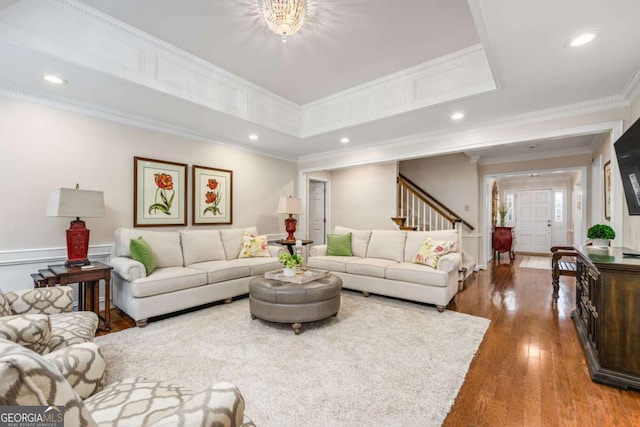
253,317
297,328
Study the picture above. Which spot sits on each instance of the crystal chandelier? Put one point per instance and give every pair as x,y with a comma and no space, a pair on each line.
284,17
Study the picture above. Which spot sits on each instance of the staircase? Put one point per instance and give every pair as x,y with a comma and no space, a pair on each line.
419,211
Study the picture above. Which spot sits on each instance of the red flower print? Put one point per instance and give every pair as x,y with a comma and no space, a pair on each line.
211,197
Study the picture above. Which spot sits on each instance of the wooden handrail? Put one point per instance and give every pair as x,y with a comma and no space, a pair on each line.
434,203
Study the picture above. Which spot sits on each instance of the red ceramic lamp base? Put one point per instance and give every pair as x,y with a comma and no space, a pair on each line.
290,227
77,244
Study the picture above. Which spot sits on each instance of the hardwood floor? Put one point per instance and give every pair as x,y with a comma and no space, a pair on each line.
530,369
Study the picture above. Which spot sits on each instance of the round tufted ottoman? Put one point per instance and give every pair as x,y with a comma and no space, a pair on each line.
284,302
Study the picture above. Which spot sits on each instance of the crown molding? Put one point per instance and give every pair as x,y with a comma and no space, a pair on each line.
450,77
535,156
424,144
73,32
126,118
478,15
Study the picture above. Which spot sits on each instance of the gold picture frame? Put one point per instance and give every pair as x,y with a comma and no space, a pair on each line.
159,193
212,197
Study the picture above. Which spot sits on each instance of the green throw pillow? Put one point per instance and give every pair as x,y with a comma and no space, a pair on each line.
141,251
339,244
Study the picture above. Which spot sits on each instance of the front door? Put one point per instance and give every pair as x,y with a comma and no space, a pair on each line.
533,221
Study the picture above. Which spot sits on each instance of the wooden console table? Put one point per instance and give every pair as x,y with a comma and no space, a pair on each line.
88,280
503,241
607,314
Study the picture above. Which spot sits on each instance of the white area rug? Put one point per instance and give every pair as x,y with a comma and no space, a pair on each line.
539,262
379,362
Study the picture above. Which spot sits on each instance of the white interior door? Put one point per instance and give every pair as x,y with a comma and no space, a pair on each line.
317,212
533,226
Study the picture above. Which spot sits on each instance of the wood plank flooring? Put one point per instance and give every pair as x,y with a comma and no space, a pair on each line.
530,369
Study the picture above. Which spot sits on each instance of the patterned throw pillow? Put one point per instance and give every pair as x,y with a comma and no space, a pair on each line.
82,365
431,251
32,331
5,308
254,246
51,300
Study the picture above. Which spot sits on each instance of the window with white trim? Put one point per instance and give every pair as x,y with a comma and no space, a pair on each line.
558,207
508,199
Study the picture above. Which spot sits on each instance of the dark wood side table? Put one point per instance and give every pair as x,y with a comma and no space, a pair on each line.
291,243
88,280
503,240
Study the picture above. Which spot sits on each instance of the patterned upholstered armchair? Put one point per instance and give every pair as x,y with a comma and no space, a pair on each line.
72,378
41,319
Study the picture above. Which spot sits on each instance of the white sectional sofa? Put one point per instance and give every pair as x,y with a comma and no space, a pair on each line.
381,263
194,267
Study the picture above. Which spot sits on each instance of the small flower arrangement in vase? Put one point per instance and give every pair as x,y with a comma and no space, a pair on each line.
290,262
503,209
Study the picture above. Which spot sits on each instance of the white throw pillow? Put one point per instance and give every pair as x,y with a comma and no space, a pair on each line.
165,245
359,240
387,244
431,251
201,246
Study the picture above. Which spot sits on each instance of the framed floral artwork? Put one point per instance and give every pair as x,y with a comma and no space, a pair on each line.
212,196
159,193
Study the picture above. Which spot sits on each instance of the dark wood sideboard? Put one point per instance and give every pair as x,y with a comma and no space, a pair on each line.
607,314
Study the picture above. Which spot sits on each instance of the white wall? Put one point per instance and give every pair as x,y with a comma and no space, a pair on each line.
43,148
364,196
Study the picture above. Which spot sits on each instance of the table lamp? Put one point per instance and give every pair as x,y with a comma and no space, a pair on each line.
290,205
75,203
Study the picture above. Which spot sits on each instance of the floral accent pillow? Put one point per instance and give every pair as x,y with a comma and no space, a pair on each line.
431,251
254,246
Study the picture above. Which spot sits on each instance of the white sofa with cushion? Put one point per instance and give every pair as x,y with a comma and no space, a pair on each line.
381,263
194,267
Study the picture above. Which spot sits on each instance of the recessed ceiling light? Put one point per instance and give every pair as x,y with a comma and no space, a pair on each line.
457,116
344,140
55,79
583,39
253,137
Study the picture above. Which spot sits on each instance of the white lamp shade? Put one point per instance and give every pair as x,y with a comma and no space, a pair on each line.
69,202
290,205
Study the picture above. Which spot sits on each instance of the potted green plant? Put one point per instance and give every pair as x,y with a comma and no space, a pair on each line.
290,262
600,234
